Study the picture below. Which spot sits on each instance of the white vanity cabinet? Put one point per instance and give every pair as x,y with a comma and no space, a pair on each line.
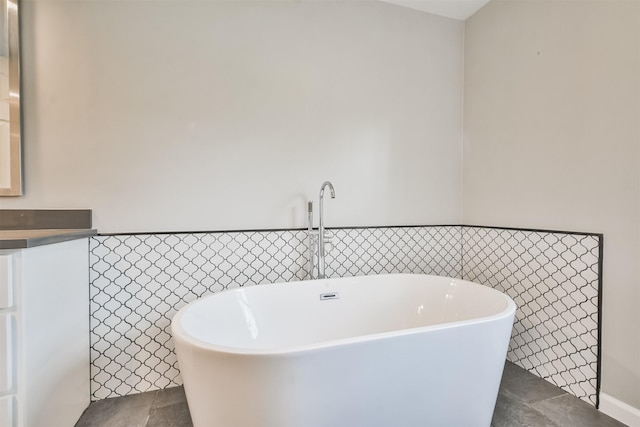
44,334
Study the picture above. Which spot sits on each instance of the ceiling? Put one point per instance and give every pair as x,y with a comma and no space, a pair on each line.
457,9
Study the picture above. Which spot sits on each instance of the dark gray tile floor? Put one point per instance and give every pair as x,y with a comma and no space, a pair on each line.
524,400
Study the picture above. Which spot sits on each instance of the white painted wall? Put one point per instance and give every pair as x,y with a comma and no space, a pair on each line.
196,115
552,140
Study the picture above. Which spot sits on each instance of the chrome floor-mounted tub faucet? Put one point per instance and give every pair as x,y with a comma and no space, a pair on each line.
322,236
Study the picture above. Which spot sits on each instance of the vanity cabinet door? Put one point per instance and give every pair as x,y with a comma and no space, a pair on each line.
6,281
7,411
7,346
54,334
7,342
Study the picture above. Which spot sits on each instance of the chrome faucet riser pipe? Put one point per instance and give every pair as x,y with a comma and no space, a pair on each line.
311,241
321,237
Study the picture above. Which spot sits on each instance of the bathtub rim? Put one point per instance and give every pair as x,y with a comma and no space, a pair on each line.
176,326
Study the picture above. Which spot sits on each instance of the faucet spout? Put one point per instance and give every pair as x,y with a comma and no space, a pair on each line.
324,185
322,239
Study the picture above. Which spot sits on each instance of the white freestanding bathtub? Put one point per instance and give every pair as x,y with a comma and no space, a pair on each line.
387,350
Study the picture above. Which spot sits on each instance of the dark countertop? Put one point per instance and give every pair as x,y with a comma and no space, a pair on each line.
21,239
26,228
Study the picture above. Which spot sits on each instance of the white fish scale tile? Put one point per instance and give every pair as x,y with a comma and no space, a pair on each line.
139,281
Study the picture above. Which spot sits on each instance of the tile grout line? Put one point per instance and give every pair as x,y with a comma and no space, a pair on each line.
529,405
153,402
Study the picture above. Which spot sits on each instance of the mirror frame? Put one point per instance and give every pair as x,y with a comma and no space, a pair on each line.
12,29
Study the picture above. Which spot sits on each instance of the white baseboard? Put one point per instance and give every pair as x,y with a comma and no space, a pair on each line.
622,412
